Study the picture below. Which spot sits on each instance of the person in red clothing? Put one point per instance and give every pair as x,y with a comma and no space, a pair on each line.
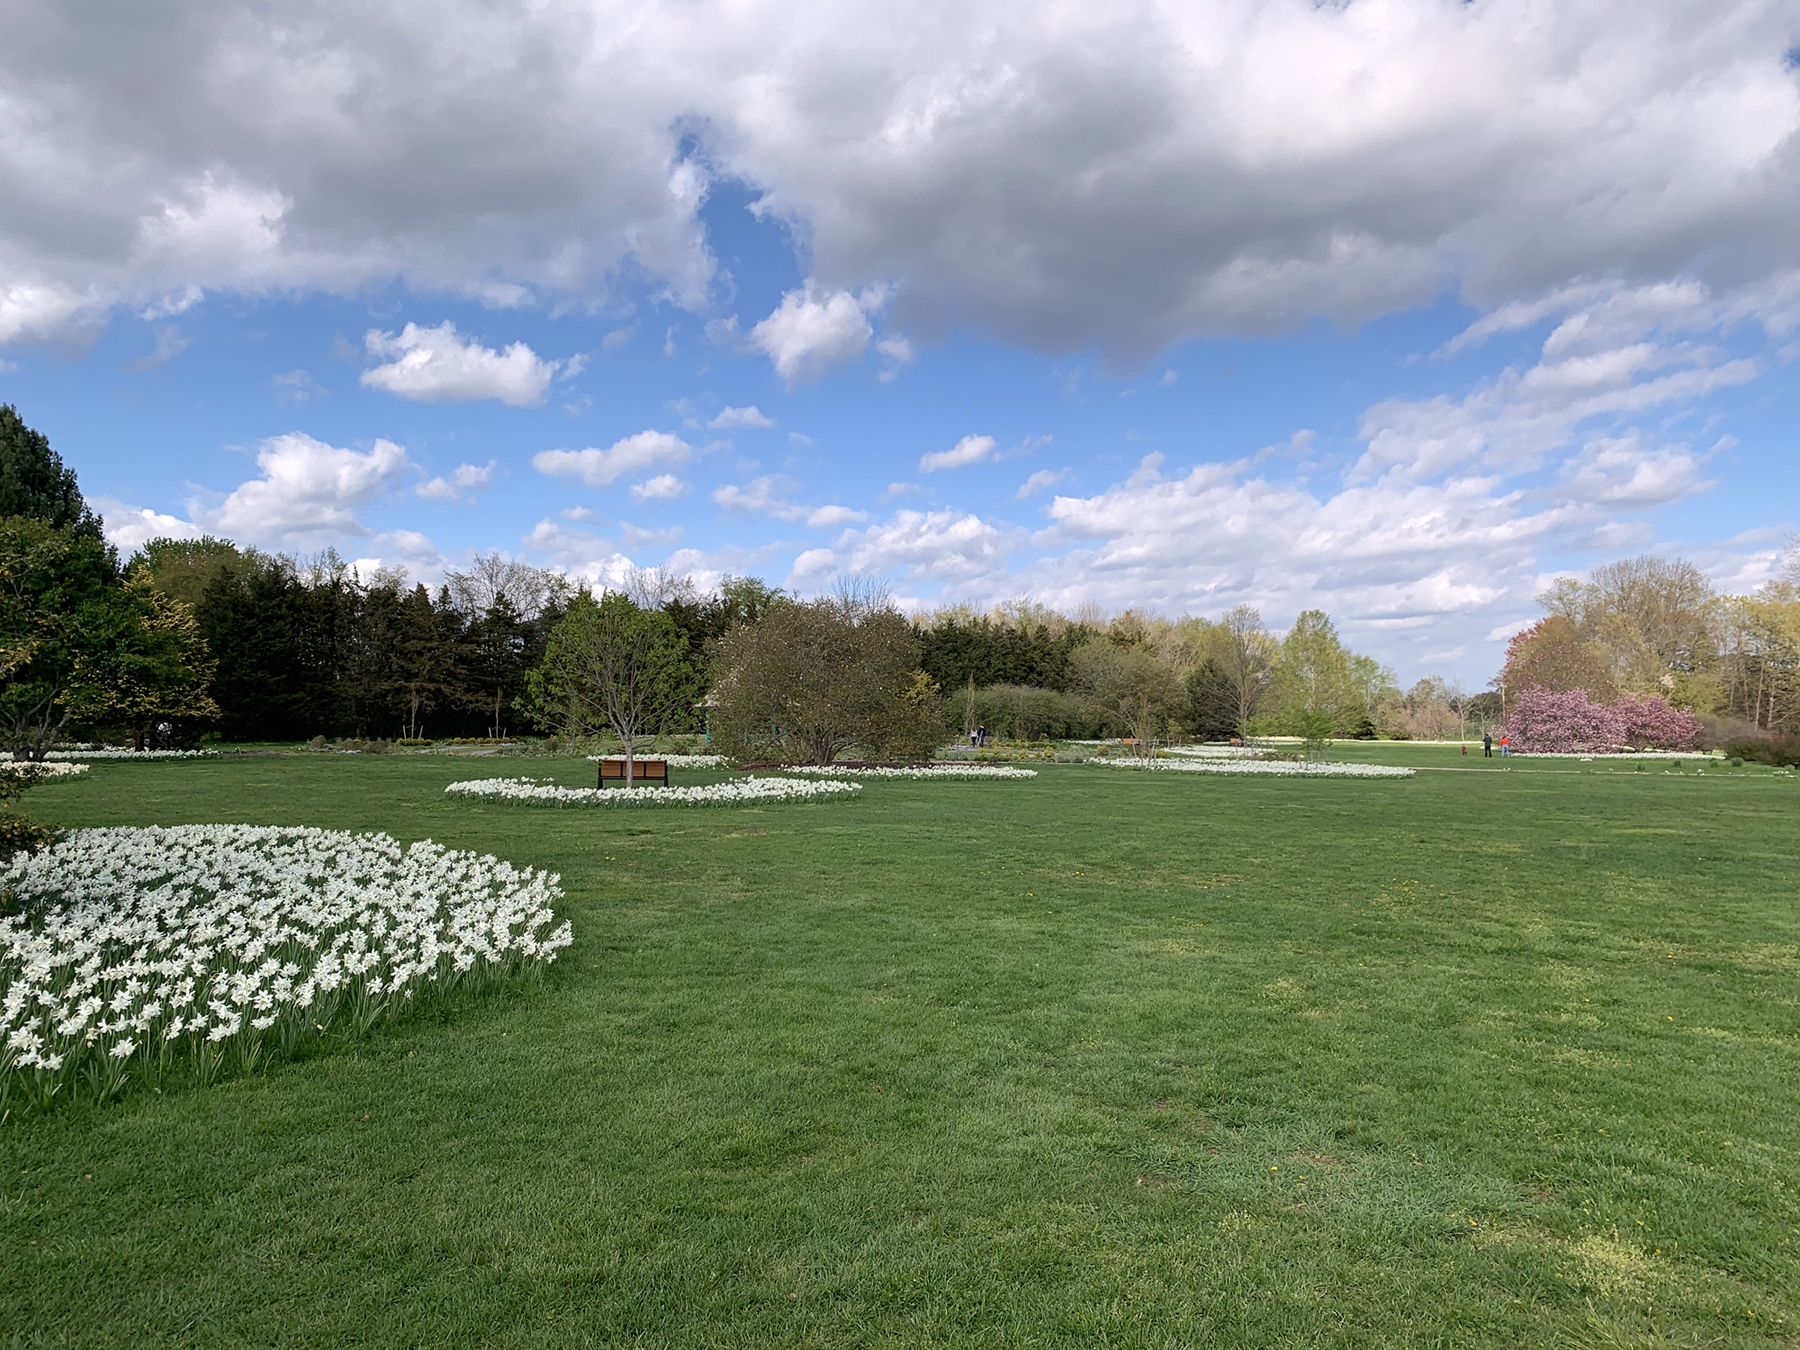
1505,746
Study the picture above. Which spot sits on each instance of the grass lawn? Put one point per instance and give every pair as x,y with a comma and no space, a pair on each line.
1489,1056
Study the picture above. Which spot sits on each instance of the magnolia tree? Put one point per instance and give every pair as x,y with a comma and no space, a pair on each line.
1652,724
1548,722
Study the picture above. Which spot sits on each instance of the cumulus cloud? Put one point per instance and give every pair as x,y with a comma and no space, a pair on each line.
438,365
1083,176
731,419
603,468
946,547
771,496
766,496
129,528
308,494
665,487
808,333
830,517
460,486
969,450
579,553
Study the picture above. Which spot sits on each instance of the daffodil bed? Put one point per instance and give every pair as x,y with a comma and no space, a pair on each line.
914,771
1266,768
126,949
544,792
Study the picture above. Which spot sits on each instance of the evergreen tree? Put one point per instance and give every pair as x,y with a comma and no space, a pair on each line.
34,481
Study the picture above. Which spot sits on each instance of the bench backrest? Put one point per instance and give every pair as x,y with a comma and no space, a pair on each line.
642,768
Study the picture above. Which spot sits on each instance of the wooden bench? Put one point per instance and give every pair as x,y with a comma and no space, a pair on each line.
642,771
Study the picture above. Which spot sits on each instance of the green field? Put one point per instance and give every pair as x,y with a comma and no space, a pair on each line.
1489,1056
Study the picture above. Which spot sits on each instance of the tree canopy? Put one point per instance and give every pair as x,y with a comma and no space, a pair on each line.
34,482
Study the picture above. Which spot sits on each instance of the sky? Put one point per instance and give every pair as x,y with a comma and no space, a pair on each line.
1392,308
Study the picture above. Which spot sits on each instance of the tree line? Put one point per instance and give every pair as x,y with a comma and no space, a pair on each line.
201,637
1650,629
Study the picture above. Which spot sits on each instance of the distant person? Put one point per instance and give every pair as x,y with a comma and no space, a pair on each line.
1465,749
1487,745
1505,747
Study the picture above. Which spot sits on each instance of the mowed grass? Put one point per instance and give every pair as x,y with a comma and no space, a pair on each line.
1503,1056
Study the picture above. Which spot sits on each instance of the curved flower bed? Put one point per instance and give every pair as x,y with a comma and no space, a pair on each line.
675,761
138,945
1278,768
1611,754
545,793
920,771
119,752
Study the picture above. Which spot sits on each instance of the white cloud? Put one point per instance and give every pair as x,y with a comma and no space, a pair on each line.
131,527
771,496
436,365
308,494
1625,472
665,487
731,419
578,553
969,450
942,546
1042,479
464,481
808,333
1616,353
603,468
766,496
897,352
830,517
1078,177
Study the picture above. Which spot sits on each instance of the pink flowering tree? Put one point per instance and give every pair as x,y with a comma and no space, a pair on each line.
1549,722
1651,723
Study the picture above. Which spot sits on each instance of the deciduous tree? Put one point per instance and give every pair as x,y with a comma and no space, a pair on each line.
611,665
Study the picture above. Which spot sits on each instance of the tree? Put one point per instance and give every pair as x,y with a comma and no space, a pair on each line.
59,611
1127,688
1212,703
1652,723
1551,655
182,569
427,653
491,580
34,482
1647,620
1432,710
610,664
1562,721
1245,656
156,673
1314,684
809,680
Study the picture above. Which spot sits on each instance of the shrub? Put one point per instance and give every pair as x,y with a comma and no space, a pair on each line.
1652,724
22,834
1551,722
1777,751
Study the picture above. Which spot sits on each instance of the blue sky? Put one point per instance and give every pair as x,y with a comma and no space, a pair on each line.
1172,307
